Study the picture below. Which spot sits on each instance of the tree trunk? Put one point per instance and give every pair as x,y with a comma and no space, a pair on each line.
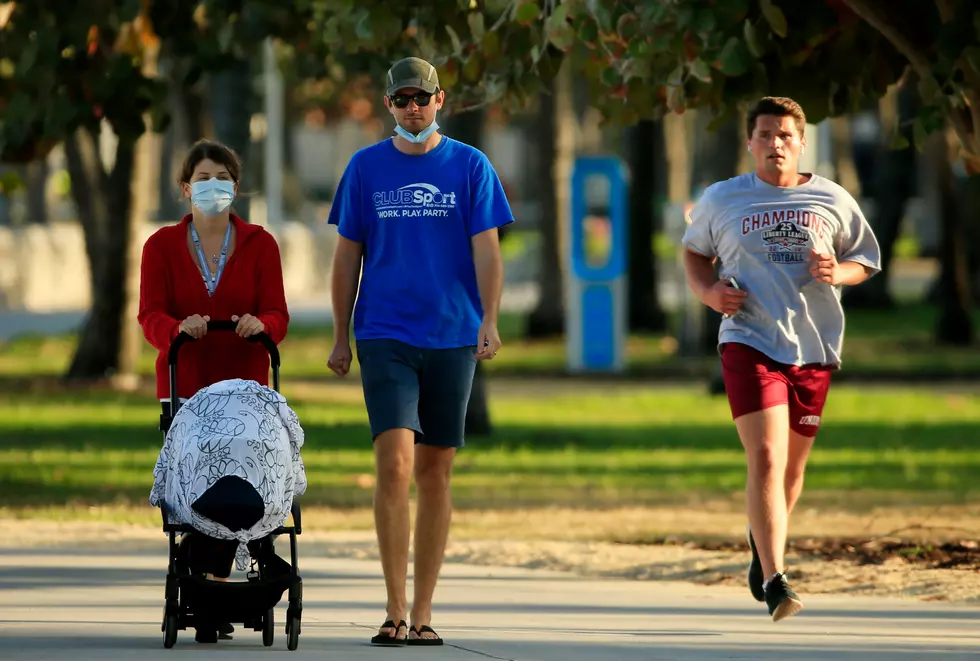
716,155
169,208
103,202
554,136
467,127
642,142
894,183
37,180
893,188
185,105
955,324
231,101
842,156
191,102
970,208
6,215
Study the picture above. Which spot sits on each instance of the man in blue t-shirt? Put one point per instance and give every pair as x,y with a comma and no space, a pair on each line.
417,218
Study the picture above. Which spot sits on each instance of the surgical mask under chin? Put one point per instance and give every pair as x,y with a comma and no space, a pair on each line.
421,136
213,196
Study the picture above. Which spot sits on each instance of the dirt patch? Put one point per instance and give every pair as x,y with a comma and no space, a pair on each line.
964,554
890,576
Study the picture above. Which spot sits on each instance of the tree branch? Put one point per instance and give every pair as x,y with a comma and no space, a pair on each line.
947,9
486,103
505,16
84,191
958,122
971,158
973,98
875,14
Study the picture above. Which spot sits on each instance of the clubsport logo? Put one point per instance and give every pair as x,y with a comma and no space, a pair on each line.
419,199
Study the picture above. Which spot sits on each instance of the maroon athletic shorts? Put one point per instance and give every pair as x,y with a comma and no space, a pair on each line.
754,382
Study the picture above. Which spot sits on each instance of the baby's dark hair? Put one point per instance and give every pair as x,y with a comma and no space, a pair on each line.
215,151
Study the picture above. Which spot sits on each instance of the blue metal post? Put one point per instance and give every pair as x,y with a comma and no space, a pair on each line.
596,319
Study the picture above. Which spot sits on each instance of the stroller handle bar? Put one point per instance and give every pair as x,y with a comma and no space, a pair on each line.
226,326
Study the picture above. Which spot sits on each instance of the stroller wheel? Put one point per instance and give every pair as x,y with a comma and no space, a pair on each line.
269,628
169,630
292,629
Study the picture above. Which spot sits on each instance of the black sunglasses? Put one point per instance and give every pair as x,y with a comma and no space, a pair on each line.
401,100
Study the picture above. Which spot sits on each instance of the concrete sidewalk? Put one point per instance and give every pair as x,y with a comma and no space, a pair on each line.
106,606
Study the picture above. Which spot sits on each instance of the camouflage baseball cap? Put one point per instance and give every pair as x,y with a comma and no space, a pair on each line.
413,72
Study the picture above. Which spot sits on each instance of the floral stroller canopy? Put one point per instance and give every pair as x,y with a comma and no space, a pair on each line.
232,428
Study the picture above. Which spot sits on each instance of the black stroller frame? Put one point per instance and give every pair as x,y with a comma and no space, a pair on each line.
252,602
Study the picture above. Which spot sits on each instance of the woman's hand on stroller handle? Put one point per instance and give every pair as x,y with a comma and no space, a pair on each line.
247,325
227,325
195,325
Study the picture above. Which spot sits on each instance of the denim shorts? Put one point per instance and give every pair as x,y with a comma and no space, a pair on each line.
425,390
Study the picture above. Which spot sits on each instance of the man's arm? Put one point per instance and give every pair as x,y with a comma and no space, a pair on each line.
825,268
343,285
853,273
700,271
489,272
856,255
712,292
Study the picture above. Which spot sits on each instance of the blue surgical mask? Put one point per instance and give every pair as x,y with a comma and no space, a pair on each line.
422,135
213,196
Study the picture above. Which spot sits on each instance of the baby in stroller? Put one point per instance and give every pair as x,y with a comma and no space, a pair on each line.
229,468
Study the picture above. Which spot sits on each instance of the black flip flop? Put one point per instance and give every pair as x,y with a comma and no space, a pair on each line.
384,640
418,631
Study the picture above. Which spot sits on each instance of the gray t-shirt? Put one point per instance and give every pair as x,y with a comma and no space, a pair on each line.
762,236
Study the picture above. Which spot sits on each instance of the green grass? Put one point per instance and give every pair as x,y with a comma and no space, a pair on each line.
882,344
580,447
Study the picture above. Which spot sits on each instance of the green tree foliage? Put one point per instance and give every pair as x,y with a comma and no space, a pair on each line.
65,67
643,59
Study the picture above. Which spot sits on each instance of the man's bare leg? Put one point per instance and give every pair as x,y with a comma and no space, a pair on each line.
799,452
433,470
394,457
765,436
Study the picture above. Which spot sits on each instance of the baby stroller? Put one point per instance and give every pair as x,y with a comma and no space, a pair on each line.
191,600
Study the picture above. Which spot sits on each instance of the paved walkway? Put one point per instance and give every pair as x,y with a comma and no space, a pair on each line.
105,606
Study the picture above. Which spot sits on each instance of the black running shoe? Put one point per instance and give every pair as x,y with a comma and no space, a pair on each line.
755,576
781,599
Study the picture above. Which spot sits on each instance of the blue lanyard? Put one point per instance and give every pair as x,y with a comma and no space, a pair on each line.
209,282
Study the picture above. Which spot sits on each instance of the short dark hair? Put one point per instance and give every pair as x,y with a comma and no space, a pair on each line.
780,106
215,151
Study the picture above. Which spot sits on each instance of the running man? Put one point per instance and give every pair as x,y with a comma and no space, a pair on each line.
789,241
421,212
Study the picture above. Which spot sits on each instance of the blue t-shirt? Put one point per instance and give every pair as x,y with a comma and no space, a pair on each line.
415,216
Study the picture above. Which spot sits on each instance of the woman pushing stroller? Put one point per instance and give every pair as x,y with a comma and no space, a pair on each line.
211,265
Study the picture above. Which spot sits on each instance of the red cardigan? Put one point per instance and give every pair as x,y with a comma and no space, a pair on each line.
172,289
